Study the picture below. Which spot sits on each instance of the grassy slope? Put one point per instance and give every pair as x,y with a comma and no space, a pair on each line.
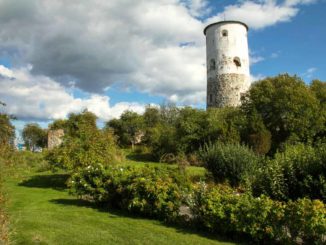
42,212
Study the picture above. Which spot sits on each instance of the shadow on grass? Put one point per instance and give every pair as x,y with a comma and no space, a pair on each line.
53,181
140,157
116,213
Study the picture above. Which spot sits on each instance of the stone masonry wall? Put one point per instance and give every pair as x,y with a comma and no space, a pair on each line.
225,90
55,138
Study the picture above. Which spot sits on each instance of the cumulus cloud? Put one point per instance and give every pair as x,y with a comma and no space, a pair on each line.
259,14
38,97
153,46
198,8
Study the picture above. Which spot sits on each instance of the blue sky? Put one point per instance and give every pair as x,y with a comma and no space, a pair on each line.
58,57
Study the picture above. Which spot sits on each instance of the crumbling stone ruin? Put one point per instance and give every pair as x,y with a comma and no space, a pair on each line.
55,138
227,57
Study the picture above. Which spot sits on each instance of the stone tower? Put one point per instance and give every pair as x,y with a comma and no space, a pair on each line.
227,60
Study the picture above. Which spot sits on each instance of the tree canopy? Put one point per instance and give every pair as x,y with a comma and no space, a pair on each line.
34,136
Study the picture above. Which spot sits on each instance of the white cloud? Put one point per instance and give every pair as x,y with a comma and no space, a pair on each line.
296,2
260,14
275,55
255,78
136,44
309,72
5,72
198,8
33,97
256,59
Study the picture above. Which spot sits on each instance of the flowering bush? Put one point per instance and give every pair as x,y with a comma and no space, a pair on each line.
154,192
160,192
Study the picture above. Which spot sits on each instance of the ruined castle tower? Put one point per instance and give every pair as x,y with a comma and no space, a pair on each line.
55,138
227,59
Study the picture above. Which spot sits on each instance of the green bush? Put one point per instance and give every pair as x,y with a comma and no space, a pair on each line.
77,152
298,172
153,192
232,163
261,219
306,219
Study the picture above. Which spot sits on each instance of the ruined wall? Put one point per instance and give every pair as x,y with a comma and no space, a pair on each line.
55,138
227,59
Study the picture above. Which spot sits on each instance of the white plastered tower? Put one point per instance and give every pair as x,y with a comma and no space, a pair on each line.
227,60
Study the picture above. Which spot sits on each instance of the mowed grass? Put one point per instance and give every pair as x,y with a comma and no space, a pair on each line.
137,160
42,212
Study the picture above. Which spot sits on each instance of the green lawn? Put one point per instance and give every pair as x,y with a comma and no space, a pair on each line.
134,159
42,212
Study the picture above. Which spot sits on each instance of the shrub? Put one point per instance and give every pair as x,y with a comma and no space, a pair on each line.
298,172
269,180
93,147
153,192
261,219
306,219
228,213
232,163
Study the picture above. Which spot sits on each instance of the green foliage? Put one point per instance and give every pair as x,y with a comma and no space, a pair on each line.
306,219
34,136
256,134
128,128
59,124
84,144
297,172
7,130
319,89
288,108
154,192
261,219
224,125
190,129
232,163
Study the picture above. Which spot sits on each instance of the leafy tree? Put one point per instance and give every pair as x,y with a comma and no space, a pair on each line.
79,125
169,113
128,128
34,136
152,116
288,108
319,89
84,144
190,129
7,130
256,135
224,125
58,124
